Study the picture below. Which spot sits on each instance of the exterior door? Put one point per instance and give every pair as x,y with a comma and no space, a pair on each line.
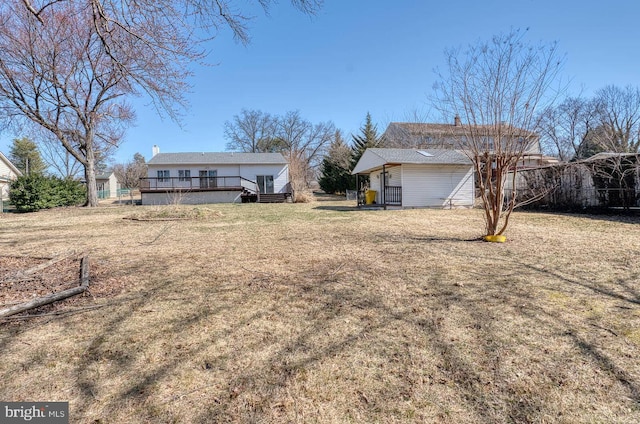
208,179
265,183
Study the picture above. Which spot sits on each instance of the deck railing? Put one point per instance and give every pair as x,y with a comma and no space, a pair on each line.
392,196
198,183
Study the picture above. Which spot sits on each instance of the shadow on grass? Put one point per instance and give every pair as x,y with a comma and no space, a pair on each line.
631,216
368,339
336,208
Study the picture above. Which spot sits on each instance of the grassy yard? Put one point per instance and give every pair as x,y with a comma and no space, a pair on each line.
319,313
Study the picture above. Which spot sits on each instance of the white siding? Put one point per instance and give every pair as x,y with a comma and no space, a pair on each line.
368,160
437,186
280,174
6,173
198,198
113,185
250,172
394,178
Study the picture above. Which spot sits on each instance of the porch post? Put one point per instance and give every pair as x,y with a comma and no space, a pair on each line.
357,192
384,187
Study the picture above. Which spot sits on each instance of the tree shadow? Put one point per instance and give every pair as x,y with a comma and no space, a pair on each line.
336,208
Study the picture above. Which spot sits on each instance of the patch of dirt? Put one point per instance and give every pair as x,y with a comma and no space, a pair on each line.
173,213
22,281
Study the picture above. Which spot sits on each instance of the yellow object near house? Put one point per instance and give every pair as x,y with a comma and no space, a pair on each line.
495,239
370,197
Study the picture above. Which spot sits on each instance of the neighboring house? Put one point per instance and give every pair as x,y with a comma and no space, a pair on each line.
196,178
8,173
449,136
413,178
453,136
108,185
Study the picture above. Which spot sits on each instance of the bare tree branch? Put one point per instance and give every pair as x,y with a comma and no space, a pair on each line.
497,88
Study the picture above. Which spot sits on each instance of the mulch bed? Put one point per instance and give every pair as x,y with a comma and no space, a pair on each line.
18,285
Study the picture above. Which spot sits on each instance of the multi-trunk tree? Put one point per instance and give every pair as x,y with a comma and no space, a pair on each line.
497,88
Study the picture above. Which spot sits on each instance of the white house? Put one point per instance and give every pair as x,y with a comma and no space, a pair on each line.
412,178
8,173
107,184
196,178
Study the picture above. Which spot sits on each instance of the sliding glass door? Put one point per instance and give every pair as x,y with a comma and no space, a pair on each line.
265,183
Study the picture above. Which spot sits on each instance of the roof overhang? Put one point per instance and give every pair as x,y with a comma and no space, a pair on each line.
10,165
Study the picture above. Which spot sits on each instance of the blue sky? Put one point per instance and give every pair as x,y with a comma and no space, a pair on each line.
359,56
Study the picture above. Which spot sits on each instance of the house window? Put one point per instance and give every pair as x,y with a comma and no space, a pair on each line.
208,179
487,142
184,175
163,176
265,183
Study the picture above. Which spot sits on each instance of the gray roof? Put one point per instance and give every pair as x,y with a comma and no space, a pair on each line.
437,156
374,158
414,134
103,175
224,158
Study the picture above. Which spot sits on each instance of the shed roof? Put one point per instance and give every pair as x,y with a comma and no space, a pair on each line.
377,157
103,175
219,158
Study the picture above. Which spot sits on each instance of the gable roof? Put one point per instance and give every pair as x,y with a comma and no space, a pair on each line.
377,157
9,165
417,134
222,158
104,175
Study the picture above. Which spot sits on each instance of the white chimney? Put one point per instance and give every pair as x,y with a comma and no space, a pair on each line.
155,150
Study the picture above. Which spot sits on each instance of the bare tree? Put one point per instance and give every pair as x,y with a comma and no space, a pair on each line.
301,142
59,159
619,119
304,144
67,65
251,131
498,89
58,76
129,173
565,129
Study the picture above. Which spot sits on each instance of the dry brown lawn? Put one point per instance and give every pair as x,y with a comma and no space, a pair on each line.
318,313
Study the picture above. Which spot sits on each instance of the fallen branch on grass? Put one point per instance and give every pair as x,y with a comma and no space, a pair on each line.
54,297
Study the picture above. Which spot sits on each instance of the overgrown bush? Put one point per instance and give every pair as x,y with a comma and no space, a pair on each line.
30,193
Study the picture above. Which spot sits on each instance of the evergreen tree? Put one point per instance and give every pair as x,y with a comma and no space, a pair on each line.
368,138
336,167
24,154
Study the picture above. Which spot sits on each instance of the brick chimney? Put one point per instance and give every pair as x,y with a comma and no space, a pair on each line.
456,121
